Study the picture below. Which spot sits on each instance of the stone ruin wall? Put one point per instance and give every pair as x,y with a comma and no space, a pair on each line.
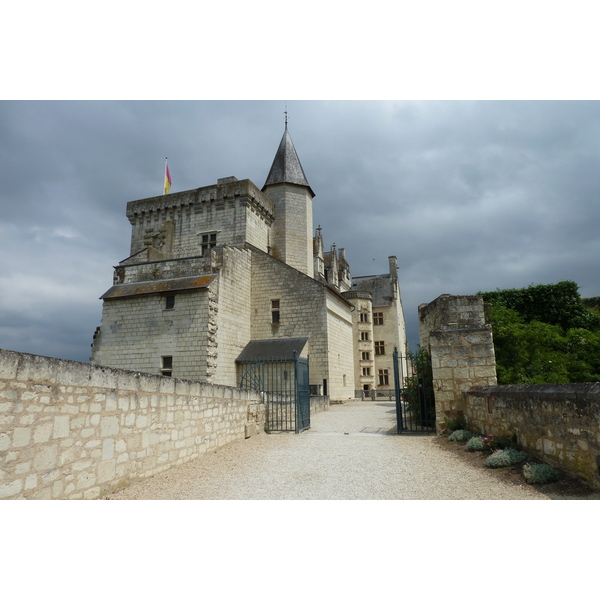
454,328
559,424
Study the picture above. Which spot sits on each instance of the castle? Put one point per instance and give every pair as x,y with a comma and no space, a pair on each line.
230,270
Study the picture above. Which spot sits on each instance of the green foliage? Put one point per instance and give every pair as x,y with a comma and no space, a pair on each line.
555,304
455,422
475,444
540,473
592,304
418,388
530,350
505,458
460,435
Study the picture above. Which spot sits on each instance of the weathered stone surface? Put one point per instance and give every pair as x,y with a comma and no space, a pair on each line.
81,453
558,423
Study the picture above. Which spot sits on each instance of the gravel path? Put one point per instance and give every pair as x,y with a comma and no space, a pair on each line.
351,452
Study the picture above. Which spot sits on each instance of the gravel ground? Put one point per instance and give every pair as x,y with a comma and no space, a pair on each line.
351,452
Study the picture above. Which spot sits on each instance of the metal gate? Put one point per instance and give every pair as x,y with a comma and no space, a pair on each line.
415,402
284,382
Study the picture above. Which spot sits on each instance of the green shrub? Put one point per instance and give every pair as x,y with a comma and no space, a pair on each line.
540,473
505,458
475,444
460,435
456,422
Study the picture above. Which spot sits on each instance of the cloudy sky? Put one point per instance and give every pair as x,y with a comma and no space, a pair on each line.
469,195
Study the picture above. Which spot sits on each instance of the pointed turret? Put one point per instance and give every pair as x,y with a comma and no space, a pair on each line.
287,187
286,167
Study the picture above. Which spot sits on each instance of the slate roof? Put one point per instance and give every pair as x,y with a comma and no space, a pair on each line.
268,349
158,286
286,167
379,286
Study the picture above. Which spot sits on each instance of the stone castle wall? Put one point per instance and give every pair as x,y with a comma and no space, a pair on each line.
138,330
232,322
340,339
237,211
72,430
307,309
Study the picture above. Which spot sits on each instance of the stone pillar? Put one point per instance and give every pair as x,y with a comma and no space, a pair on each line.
462,350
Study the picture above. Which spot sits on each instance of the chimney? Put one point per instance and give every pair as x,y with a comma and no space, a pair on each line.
393,267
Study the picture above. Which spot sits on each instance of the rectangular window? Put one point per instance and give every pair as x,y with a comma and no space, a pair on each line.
366,371
364,336
275,311
209,240
384,378
166,368
378,318
366,387
366,356
169,302
379,348
364,318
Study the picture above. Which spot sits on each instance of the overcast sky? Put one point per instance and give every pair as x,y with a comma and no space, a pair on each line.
470,196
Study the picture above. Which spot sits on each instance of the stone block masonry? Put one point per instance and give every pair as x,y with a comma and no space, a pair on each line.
454,329
558,423
73,430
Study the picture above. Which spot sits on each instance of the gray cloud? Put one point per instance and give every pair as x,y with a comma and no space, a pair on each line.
468,195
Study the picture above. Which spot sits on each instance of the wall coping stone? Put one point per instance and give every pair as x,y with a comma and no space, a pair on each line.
563,390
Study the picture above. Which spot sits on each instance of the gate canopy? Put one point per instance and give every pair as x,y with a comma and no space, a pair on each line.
264,350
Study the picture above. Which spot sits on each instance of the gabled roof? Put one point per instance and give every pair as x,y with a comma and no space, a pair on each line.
286,167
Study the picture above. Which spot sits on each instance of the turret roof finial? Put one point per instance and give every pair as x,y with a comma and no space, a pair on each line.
285,117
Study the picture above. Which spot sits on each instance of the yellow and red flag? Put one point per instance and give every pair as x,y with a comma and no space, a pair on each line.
167,178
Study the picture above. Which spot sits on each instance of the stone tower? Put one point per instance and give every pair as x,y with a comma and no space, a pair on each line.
286,186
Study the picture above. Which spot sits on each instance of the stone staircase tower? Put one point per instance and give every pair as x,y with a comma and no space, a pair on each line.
286,186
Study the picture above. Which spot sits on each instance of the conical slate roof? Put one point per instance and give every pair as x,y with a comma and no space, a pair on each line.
286,167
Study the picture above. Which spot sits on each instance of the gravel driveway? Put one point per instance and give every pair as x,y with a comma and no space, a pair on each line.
351,452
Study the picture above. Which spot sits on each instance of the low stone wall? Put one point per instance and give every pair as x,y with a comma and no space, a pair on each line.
72,430
559,424
318,404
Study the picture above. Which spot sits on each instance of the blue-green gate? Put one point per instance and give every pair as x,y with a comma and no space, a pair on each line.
415,401
285,383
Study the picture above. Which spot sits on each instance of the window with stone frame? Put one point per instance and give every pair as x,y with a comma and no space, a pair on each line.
275,313
366,355
364,317
378,318
379,348
364,336
209,240
384,378
366,371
